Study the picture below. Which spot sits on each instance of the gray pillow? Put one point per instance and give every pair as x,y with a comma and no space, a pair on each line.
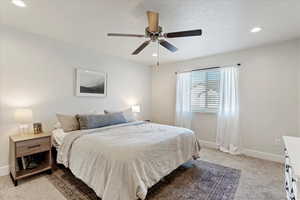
128,114
98,121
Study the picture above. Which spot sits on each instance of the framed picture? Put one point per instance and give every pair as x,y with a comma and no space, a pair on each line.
90,83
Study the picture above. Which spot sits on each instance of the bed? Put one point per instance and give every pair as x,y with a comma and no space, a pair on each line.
121,162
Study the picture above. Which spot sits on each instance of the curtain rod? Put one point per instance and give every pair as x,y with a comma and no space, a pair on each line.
206,68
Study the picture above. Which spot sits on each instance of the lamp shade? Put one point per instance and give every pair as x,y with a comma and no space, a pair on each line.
136,108
23,116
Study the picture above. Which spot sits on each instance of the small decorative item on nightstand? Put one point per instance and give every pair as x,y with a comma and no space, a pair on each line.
28,155
37,128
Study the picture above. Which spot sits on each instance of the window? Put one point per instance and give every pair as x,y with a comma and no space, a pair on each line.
205,90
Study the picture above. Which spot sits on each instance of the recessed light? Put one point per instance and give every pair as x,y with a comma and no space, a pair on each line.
256,29
19,3
154,54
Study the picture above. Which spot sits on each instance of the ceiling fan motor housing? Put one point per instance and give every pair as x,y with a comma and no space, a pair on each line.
153,35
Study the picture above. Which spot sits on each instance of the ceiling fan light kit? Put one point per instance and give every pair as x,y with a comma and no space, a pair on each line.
19,3
154,33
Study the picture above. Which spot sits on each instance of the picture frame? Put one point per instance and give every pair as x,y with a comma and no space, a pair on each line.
37,128
91,83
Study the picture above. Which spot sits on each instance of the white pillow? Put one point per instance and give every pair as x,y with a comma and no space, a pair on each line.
68,122
57,125
58,136
128,114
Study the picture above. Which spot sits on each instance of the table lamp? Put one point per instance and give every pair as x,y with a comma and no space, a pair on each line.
136,108
23,117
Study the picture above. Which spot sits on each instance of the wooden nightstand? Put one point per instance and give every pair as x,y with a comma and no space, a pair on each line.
21,146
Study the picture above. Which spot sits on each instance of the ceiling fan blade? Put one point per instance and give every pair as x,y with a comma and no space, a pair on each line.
167,45
153,20
124,35
190,33
141,47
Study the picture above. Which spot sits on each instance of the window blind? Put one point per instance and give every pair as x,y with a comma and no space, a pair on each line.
205,93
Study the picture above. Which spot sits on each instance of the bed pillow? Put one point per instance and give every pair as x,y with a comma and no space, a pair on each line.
68,122
128,114
58,136
57,125
98,121
117,118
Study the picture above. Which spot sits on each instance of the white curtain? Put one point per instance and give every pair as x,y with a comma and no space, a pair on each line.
183,116
228,138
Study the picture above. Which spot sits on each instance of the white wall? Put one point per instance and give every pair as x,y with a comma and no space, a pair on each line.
269,94
38,72
298,50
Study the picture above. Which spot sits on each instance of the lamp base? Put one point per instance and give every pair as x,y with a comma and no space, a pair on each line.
24,129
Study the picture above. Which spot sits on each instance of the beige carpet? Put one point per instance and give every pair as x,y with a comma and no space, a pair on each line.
259,180
36,188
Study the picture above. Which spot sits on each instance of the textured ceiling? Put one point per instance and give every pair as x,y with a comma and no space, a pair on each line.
225,24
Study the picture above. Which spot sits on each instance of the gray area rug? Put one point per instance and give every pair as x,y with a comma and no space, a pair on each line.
195,180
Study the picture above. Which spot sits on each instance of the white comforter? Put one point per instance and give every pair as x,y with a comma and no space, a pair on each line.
121,162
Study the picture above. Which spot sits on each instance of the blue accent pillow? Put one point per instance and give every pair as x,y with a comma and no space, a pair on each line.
98,121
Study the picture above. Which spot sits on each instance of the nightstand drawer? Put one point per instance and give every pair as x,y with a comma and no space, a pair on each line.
29,147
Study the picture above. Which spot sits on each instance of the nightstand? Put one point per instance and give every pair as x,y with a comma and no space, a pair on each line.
33,146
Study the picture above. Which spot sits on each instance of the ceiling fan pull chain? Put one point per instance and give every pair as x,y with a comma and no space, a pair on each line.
157,64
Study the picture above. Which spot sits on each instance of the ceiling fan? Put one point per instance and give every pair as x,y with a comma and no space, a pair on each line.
155,34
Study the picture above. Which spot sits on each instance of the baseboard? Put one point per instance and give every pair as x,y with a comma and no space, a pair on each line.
248,152
264,155
4,170
208,144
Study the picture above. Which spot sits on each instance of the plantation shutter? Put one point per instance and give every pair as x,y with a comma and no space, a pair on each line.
205,90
